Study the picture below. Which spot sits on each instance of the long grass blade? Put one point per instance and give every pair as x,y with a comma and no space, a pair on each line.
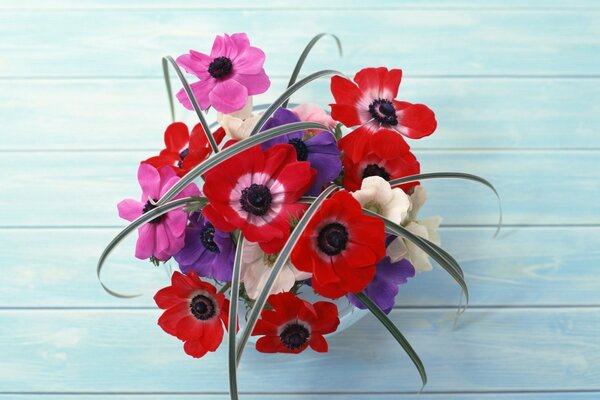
165,67
446,261
277,266
454,175
286,95
233,150
141,220
389,325
233,307
190,94
305,54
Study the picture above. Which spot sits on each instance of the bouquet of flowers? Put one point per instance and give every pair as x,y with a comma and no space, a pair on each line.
284,221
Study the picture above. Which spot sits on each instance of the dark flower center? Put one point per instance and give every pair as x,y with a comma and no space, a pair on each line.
294,336
182,156
203,307
149,206
383,111
301,149
256,199
220,67
375,170
332,239
207,237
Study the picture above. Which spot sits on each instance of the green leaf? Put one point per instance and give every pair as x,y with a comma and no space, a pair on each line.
337,132
190,94
233,307
389,325
232,151
165,67
141,220
454,175
277,266
305,54
286,95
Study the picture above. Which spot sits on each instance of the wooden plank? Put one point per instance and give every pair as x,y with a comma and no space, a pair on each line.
83,188
524,267
282,396
472,113
124,351
430,42
36,5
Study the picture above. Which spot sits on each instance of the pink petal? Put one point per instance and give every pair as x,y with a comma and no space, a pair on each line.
190,190
241,41
228,96
144,248
176,222
166,175
255,84
194,63
218,48
201,90
250,61
162,239
149,180
168,185
130,209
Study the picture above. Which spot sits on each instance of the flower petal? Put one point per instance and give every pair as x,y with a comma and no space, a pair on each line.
228,96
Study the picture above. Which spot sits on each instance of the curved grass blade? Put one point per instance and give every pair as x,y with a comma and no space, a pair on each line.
277,266
141,220
190,94
286,95
233,307
448,264
389,325
454,175
233,150
165,67
305,54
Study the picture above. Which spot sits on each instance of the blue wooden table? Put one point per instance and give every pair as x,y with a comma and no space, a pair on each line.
515,86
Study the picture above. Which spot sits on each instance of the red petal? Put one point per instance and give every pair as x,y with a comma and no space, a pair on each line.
318,343
389,143
268,344
371,79
276,158
344,91
167,297
216,219
355,143
416,121
177,137
194,348
170,318
346,114
327,320
391,82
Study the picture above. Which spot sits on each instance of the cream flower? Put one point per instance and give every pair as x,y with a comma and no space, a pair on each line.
426,228
256,267
239,124
377,195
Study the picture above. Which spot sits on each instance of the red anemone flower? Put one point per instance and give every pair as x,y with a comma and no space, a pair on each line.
340,247
372,161
294,324
257,191
195,313
370,103
183,151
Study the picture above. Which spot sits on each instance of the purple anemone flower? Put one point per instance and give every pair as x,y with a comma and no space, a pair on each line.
384,286
320,150
207,251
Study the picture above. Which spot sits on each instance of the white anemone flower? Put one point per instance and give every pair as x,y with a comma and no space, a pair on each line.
239,124
256,267
426,228
377,195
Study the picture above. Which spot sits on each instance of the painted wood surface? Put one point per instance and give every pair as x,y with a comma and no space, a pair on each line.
516,92
517,269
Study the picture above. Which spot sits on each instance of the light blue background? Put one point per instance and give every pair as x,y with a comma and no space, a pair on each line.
515,86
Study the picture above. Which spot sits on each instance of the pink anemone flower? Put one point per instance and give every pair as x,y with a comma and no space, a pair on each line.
163,236
232,72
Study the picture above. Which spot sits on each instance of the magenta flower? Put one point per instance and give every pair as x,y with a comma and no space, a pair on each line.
232,72
163,236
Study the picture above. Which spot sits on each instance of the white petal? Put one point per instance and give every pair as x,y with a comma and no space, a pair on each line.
418,258
417,199
397,250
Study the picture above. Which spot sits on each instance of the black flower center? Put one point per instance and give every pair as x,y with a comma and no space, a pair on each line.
149,206
375,170
203,307
294,336
256,199
182,156
207,237
220,67
332,239
301,149
383,111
